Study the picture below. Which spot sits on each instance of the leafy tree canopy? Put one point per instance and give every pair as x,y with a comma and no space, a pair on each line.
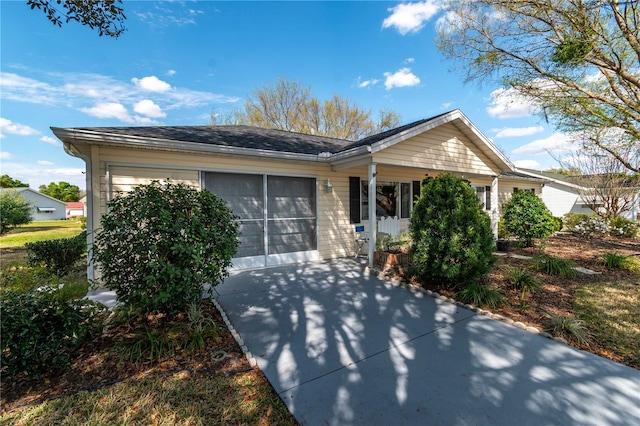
105,16
14,210
62,191
7,181
578,61
290,106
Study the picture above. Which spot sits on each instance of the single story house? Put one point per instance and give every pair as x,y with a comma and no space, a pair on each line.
299,197
561,194
75,209
43,207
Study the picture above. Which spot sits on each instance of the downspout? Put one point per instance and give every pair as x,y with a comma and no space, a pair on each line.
372,212
89,209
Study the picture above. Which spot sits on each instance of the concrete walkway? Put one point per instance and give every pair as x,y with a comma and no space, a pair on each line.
342,347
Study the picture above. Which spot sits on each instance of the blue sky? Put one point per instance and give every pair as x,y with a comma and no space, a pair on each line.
179,61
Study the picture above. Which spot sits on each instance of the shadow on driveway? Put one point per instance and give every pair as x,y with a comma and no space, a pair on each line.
344,347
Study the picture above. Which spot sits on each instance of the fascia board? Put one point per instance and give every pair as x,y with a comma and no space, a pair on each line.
348,163
99,138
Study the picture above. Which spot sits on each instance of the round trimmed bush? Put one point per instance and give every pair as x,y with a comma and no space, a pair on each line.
452,240
161,242
527,217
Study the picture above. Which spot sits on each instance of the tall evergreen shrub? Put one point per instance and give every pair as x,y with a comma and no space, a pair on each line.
452,239
527,217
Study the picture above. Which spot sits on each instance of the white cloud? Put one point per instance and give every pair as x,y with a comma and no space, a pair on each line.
409,61
149,108
152,84
508,103
367,83
82,91
401,78
51,140
527,164
4,155
411,17
109,110
516,132
446,105
45,163
8,126
556,143
171,73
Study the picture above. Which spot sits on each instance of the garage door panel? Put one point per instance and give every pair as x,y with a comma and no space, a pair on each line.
290,236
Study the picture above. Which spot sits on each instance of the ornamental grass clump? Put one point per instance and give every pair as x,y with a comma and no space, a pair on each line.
451,236
161,242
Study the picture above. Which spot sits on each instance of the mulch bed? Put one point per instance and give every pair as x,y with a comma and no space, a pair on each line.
557,295
96,365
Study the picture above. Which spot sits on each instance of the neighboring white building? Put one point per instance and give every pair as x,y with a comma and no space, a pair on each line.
562,196
43,207
76,209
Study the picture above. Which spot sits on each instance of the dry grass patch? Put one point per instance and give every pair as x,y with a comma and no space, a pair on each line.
611,311
176,399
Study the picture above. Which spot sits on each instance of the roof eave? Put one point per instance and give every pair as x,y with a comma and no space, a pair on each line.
72,135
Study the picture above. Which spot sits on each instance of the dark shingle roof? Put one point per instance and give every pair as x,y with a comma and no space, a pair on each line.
233,136
253,137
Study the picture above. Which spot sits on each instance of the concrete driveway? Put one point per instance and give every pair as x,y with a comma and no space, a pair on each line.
342,347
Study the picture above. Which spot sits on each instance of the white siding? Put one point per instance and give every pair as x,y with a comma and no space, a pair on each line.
562,200
442,149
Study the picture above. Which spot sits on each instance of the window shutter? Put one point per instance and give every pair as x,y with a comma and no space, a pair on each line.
515,190
354,199
416,190
487,191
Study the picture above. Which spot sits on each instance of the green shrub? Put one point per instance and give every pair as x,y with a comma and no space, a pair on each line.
551,265
623,228
558,224
592,225
502,230
14,210
480,294
586,224
620,261
59,255
40,330
451,236
526,217
161,242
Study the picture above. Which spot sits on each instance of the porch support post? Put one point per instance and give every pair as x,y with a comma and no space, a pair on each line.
495,209
372,212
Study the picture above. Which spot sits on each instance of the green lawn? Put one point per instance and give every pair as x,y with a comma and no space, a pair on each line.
40,231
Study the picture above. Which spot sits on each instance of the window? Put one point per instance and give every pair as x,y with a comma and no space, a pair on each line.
484,196
524,189
392,199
